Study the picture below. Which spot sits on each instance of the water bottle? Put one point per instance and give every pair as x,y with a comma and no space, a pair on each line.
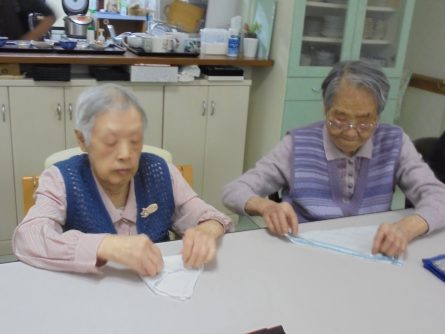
233,44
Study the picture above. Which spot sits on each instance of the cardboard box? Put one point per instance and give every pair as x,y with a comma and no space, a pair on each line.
9,69
153,73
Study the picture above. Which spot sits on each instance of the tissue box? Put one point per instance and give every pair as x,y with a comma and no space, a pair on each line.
153,73
214,41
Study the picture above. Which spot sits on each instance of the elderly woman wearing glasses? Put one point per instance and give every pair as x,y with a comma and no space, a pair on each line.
348,164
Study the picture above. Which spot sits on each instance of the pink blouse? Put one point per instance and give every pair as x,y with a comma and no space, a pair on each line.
39,239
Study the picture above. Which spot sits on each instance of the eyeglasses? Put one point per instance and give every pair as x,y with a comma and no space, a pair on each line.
346,125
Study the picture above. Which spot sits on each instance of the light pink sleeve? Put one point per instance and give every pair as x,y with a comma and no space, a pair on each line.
190,210
39,239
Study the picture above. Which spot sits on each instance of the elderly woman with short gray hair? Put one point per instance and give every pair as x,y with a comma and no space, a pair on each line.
348,164
114,203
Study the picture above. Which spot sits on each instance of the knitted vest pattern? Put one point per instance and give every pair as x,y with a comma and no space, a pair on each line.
86,211
315,191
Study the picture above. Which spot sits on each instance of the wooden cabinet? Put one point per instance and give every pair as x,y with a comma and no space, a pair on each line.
326,32
205,126
38,130
7,200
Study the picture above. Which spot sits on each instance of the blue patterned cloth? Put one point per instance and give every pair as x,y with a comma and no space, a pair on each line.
86,211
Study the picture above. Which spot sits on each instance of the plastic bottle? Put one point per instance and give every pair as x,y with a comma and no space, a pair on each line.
101,37
90,34
233,43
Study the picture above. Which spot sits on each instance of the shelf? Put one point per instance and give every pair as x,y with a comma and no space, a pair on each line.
380,9
115,16
376,42
317,4
127,59
321,39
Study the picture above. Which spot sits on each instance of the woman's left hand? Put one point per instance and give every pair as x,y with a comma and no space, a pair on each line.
393,239
200,243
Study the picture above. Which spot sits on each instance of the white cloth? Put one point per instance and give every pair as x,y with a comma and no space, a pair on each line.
175,280
355,241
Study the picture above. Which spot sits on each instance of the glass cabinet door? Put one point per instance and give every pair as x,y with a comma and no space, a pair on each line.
382,32
322,36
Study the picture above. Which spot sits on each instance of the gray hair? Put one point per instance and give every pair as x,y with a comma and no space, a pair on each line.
359,74
100,99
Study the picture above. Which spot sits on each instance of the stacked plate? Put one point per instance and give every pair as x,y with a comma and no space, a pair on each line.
324,58
313,26
333,26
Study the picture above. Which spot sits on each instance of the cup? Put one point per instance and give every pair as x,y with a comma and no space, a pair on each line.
135,41
147,44
163,44
180,38
192,45
250,47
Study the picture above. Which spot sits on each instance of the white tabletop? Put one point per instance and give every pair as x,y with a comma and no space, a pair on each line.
257,281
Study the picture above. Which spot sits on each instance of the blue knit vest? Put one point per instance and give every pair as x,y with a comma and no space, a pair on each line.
86,211
315,190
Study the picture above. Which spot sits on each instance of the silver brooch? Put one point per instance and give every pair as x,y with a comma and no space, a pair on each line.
149,210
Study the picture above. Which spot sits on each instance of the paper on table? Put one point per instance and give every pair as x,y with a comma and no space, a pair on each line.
355,241
175,280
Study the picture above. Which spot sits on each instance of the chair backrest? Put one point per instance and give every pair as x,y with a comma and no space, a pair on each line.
30,183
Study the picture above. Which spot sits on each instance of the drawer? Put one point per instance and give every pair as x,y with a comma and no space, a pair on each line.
309,89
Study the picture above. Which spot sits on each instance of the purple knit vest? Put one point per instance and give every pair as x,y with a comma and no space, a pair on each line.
315,187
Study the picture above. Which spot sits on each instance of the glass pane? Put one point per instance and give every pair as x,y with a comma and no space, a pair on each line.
324,26
381,31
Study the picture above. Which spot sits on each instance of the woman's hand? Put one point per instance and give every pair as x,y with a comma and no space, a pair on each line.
137,252
393,239
279,217
200,243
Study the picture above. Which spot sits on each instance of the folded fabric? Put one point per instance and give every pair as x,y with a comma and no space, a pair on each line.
356,241
175,280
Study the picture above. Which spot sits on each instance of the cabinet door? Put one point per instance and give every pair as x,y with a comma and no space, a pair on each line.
71,95
38,130
7,191
185,118
381,33
322,35
225,140
151,99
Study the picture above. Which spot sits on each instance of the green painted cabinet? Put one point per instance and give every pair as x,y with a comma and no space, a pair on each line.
325,32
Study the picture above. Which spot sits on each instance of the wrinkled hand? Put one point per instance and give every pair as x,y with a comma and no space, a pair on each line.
280,217
137,252
390,240
393,239
200,243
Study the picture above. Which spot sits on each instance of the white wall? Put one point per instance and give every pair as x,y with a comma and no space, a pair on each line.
268,90
56,5
423,113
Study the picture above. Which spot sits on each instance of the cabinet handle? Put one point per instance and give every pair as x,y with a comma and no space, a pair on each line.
316,90
212,112
59,111
204,108
70,111
3,113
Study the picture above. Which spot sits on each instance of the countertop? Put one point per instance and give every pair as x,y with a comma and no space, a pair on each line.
127,58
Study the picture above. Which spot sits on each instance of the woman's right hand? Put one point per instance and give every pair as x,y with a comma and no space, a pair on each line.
280,218
137,252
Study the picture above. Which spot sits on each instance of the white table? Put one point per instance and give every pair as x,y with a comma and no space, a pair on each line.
257,281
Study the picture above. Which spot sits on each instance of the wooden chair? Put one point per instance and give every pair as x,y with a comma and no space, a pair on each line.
30,183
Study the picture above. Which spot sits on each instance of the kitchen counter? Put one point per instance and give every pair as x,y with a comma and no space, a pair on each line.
127,59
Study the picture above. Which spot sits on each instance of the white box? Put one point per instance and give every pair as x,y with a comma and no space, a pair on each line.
214,41
153,73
